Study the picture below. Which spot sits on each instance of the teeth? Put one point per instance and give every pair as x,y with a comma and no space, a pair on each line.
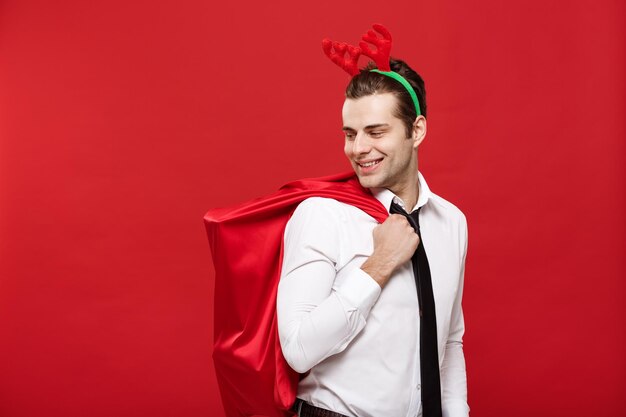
369,164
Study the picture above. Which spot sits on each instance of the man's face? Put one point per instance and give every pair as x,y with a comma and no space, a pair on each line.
376,144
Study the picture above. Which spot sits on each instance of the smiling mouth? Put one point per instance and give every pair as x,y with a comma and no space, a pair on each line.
369,164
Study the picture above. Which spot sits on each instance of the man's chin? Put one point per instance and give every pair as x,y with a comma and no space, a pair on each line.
368,181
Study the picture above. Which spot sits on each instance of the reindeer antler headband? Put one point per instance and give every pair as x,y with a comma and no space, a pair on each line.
336,51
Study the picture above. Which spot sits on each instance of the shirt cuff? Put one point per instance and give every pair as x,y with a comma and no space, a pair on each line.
455,409
358,291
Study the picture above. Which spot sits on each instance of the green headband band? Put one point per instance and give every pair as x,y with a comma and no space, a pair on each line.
406,85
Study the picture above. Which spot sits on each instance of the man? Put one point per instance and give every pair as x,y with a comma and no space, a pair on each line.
348,314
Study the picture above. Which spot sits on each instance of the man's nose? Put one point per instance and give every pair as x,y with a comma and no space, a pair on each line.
361,144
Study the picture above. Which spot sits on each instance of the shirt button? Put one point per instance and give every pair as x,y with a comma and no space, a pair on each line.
419,386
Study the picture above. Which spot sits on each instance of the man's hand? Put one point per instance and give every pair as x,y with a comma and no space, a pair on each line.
395,241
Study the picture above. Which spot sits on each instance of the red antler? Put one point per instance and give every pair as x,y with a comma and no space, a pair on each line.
336,51
383,46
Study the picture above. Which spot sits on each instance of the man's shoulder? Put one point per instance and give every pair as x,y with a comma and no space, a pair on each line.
322,206
327,209
447,208
319,219
319,202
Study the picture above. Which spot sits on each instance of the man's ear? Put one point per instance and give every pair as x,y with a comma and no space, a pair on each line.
419,131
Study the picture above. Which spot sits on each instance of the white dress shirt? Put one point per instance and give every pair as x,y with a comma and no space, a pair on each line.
358,343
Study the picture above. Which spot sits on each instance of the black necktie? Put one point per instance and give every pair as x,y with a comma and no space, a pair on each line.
429,354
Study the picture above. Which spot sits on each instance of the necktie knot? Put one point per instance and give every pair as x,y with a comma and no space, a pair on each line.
413,217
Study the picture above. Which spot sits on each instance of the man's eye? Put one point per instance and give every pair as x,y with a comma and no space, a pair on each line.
350,135
376,134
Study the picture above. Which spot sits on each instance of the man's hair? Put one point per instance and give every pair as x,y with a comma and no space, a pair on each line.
367,83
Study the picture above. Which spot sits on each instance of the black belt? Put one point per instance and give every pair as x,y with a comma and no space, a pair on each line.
305,409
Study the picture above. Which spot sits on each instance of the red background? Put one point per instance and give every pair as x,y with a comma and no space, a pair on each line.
122,122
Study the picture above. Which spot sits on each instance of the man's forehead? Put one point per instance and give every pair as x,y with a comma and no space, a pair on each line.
375,109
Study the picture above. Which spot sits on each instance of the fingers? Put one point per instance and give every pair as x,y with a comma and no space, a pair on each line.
400,224
394,241
396,226
399,218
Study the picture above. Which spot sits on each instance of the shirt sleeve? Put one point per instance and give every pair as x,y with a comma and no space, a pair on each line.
453,375
316,317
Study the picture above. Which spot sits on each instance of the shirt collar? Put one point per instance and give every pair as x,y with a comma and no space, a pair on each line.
386,197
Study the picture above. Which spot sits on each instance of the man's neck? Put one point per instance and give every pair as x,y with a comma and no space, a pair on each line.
409,193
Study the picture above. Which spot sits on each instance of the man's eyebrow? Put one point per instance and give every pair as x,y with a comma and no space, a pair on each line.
376,126
368,127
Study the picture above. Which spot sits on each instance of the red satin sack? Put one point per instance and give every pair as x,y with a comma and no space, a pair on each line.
246,244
